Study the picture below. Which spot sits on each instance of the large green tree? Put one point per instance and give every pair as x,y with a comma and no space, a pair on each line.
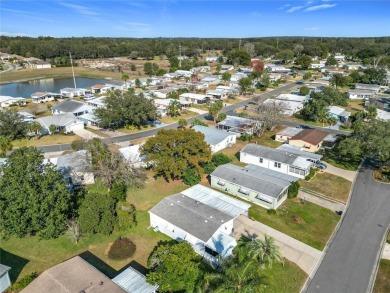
125,108
245,85
150,68
239,57
5,145
97,213
175,268
12,124
33,196
173,151
214,109
304,61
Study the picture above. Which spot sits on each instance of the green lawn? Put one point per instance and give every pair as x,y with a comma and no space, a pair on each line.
135,129
46,140
288,278
305,222
185,115
330,185
382,282
355,105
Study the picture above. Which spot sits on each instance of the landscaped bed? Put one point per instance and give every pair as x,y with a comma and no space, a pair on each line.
301,220
329,185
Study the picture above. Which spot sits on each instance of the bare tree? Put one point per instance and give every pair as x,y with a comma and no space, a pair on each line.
269,113
250,48
73,229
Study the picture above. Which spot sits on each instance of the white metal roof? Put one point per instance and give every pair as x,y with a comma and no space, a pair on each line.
217,200
134,282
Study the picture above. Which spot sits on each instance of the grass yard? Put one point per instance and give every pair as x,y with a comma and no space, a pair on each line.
97,132
305,222
35,255
355,105
382,283
135,130
267,139
184,115
46,140
330,185
288,278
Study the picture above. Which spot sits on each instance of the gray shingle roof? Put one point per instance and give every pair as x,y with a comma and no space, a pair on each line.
74,162
255,178
212,136
296,150
58,120
68,106
192,216
134,282
269,153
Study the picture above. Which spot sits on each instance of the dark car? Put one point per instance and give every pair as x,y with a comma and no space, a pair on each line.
321,166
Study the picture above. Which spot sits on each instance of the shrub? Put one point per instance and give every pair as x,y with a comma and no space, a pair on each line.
209,167
118,191
220,159
24,281
304,90
271,212
313,172
198,122
293,189
78,145
246,137
122,248
190,177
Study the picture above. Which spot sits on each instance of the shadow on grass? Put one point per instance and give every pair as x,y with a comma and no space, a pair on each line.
135,265
16,263
98,264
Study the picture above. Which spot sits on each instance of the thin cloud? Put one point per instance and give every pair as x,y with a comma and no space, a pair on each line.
320,7
312,28
284,6
80,9
295,8
15,34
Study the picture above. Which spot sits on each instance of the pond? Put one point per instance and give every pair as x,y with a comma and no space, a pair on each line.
26,88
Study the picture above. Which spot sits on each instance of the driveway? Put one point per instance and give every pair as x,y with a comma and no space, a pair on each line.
84,133
305,256
349,264
349,175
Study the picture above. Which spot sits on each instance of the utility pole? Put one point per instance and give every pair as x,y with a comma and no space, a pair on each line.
277,43
71,63
179,56
239,45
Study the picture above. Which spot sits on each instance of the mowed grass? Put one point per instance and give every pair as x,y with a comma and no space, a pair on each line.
184,115
288,278
46,140
355,105
330,185
305,222
43,254
382,282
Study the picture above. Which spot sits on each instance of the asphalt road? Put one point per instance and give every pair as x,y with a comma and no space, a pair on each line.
350,262
129,137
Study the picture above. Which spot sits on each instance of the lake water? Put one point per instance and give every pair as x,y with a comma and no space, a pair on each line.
26,88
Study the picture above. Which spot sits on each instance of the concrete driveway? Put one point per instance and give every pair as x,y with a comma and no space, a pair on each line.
349,175
349,264
305,256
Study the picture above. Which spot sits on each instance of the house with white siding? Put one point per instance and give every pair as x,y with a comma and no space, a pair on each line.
194,98
40,97
256,184
215,138
7,101
202,217
360,94
239,125
276,160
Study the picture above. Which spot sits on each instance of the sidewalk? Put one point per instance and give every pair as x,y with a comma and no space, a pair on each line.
386,251
349,175
333,206
305,256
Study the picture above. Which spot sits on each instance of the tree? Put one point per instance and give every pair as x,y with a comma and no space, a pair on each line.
263,80
190,177
175,268
73,230
174,108
374,76
304,90
137,83
125,109
126,216
34,197
307,76
285,55
331,61
173,151
323,116
269,114
214,108
218,68
245,84
112,167
118,191
220,159
133,67
340,80
198,122
226,76
34,127
293,189
182,123
5,145
304,61
52,129
239,57
174,62
125,78
97,214
221,117
257,65
12,124
150,68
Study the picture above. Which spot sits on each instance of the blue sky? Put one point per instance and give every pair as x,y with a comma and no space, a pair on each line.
185,18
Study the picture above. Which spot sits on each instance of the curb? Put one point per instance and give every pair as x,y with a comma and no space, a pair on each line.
334,234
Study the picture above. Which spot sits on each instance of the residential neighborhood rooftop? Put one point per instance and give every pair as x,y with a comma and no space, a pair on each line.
133,281
269,153
212,135
312,136
67,106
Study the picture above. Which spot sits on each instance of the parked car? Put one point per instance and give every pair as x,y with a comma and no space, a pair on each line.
321,165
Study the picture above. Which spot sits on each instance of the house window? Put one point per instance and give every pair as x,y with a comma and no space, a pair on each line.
243,191
277,165
263,198
261,160
221,182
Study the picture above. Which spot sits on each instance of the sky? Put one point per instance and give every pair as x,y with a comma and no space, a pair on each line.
190,18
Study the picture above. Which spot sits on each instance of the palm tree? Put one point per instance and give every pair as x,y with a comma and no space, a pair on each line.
323,117
34,127
5,145
125,78
174,108
52,129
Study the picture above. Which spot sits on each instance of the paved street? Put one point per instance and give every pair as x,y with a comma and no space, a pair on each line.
352,256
